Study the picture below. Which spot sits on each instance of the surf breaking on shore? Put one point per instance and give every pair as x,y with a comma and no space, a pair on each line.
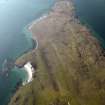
29,31
37,20
67,61
30,70
28,66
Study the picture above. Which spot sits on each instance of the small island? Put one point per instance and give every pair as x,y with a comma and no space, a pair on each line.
69,62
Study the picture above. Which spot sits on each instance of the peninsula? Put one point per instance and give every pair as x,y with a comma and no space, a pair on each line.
69,62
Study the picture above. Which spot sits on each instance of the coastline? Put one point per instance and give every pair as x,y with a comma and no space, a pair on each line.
95,34
54,33
30,70
35,46
19,53
37,20
78,19
28,31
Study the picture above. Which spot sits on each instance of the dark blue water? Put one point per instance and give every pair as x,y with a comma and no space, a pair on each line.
92,12
14,16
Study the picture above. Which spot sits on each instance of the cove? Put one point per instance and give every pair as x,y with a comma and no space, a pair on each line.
15,15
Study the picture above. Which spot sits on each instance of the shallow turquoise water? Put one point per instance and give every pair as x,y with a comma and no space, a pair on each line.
14,16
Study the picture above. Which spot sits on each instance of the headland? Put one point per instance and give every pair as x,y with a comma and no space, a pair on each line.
69,62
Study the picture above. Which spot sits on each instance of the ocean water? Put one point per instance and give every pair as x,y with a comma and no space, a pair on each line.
14,17
92,13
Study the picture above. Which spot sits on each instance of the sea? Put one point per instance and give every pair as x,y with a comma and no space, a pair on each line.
92,14
15,15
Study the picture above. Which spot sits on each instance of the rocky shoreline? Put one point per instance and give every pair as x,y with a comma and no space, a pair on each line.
20,61
69,62
67,14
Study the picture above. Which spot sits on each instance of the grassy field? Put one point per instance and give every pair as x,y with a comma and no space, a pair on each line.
69,63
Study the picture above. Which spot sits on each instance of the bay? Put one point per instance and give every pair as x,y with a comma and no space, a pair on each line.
15,15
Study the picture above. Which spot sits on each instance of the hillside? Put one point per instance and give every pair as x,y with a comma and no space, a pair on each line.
69,62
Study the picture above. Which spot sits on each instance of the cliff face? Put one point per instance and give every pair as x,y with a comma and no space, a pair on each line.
69,63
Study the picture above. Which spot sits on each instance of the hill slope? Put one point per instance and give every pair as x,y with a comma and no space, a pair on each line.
69,62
